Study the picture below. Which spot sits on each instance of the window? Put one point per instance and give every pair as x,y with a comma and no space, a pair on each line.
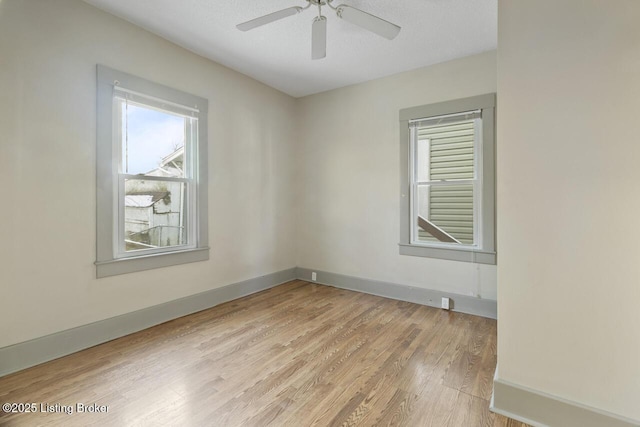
152,175
448,180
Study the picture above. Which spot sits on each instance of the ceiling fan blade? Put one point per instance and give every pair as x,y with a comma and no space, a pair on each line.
266,19
369,22
319,38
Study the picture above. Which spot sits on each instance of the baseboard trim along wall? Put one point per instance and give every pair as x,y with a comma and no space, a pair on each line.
23,355
460,303
543,410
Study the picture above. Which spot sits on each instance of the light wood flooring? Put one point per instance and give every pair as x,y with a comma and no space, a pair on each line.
298,354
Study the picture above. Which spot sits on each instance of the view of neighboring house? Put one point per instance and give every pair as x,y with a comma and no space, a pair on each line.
154,210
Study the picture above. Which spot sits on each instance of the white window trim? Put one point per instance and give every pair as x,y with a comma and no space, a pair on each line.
484,249
110,260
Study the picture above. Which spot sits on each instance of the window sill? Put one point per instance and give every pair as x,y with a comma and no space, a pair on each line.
457,254
149,262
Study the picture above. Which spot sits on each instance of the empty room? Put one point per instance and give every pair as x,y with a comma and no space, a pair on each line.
319,213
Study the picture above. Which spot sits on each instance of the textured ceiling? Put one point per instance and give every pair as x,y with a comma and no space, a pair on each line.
279,54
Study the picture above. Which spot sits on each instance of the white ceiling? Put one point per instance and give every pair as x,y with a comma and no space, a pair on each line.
279,54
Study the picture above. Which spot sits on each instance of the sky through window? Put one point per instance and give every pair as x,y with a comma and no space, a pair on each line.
149,136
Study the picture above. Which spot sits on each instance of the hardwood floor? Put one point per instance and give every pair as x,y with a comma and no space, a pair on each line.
298,354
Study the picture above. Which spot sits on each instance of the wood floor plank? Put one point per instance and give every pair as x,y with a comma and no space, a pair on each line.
299,354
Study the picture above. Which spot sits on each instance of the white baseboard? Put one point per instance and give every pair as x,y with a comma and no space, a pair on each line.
23,355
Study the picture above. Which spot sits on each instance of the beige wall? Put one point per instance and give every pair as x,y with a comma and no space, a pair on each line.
568,200
346,179
48,56
349,179
569,264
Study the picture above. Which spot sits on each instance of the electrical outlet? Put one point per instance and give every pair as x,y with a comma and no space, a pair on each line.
445,303
313,276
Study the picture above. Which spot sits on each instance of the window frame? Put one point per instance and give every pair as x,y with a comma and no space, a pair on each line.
484,166
110,259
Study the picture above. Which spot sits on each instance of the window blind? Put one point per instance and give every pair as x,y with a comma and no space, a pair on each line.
156,103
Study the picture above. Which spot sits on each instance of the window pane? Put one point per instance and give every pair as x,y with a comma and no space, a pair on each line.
422,159
154,214
450,151
448,211
153,141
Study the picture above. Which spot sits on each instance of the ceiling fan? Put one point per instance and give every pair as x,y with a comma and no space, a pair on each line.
319,26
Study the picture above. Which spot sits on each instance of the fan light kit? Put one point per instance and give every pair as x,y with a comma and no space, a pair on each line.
319,26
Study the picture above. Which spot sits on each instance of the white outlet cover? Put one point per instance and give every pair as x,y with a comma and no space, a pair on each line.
314,276
445,303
